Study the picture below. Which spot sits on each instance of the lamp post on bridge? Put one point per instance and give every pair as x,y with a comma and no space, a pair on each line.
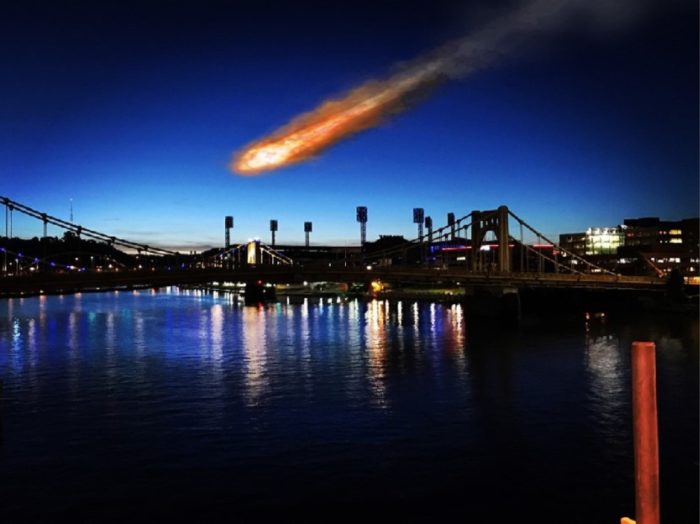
362,219
308,228
429,227
418,216
228,226
451,223
273,230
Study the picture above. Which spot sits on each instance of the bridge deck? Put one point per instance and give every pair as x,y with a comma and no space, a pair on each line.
51,283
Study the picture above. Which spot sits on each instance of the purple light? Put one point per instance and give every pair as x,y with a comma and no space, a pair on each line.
53,264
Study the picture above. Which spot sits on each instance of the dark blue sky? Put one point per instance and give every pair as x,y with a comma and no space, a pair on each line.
134,109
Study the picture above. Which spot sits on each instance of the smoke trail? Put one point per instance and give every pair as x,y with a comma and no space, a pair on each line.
371,103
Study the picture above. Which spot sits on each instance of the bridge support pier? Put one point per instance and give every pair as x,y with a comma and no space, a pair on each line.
496,303
256,292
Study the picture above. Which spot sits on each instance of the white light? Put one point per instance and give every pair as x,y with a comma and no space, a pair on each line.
369,268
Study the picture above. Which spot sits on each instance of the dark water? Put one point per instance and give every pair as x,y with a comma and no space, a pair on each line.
161,405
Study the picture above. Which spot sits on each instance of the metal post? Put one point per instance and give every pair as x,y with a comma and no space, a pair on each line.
539,257
646,437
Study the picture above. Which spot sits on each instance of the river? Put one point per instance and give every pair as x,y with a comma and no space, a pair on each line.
164,404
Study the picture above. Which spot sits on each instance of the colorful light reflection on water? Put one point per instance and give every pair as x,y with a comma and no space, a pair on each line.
179,403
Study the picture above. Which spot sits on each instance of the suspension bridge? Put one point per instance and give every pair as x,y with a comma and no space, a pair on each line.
478,249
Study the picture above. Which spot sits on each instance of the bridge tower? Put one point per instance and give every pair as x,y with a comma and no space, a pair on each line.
497,222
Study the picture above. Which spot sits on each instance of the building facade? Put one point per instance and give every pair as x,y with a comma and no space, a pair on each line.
640,245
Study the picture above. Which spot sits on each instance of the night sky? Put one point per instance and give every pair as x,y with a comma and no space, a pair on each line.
133,111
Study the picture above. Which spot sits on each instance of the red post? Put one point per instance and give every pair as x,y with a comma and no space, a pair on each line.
646,433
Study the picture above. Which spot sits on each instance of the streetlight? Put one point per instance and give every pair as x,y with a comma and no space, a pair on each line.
273,230
362,219
418,215
308,228
228,226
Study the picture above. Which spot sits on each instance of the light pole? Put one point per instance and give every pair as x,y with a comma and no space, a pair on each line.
418,215
362,219
273,230
451,223
228,226
308,228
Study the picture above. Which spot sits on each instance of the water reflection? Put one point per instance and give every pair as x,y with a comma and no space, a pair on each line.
73,364
375,345
111,357
255,352
607,361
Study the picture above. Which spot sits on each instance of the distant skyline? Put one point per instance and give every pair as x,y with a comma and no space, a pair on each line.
133,111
